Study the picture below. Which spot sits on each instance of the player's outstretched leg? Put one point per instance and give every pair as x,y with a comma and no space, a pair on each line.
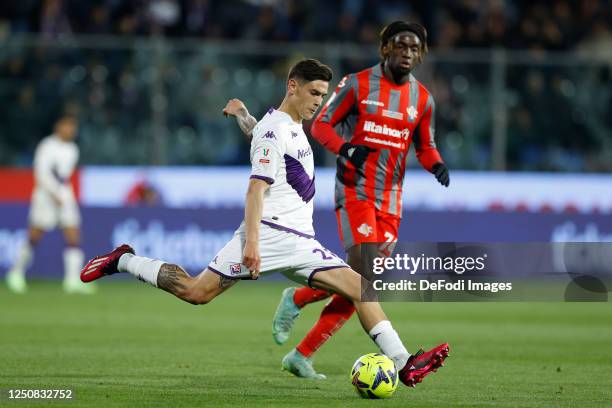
172,278
284,318
412,368
292,300
333,316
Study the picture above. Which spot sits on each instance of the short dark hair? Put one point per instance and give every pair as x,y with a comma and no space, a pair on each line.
66,117
308,70
390,30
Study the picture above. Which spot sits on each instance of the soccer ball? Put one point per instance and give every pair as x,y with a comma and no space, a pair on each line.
374,376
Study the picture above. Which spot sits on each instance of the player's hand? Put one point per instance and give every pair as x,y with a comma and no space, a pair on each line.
441,172
57,200
356,154
251,259
235,107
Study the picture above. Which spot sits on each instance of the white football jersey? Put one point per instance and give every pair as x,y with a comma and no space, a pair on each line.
54,162
282,156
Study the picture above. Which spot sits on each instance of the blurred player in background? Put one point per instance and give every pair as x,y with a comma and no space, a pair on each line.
277,234
53,204
380,111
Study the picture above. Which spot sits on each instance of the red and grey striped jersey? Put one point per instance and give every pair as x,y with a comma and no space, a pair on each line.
368,109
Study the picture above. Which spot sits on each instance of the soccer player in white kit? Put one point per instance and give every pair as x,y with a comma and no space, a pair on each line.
53,204
277,234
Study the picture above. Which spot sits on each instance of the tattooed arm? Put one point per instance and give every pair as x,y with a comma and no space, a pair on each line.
236,108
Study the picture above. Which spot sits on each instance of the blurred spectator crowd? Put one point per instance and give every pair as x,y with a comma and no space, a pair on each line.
524,24
141,105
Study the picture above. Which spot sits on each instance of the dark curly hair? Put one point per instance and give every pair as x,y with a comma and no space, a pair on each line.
390,30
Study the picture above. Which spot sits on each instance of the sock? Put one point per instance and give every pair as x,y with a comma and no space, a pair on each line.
337,311
123,262
23,259
387,339
306,295
73,262
145,269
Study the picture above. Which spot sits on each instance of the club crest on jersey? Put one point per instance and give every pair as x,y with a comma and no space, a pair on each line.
365,230
235,269
412,112
266,152
269,135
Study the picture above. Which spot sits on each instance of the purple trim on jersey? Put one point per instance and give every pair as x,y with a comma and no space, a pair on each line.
264,178
222,274
57,176
298,179
286,229
227,276
325,268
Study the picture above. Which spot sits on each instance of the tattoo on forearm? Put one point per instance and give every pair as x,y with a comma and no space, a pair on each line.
226,282
170,276
246,123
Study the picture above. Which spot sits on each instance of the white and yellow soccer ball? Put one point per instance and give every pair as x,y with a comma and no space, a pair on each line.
374,376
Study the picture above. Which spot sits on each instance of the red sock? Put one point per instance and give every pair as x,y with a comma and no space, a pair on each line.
306,295
333,317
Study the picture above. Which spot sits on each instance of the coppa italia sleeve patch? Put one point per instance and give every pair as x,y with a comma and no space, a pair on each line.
265,156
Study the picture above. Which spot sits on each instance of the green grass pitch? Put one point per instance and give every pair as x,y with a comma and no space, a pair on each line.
131,345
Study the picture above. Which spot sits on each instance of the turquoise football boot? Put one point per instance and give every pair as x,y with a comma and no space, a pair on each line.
300,366
284,318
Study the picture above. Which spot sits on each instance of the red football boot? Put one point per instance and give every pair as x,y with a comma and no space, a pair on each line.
104,264
423,363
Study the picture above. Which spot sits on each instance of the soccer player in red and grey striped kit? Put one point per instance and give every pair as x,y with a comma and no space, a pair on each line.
380,111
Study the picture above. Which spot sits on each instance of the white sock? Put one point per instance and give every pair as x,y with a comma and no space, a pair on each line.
23,259
73,262
387,339
145,269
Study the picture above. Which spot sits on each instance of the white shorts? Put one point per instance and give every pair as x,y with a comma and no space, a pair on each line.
46,214
297,257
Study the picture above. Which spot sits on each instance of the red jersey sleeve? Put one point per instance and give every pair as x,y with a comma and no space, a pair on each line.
423,139
335,110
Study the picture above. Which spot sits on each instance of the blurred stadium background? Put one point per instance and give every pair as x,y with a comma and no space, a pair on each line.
524,115
524,121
